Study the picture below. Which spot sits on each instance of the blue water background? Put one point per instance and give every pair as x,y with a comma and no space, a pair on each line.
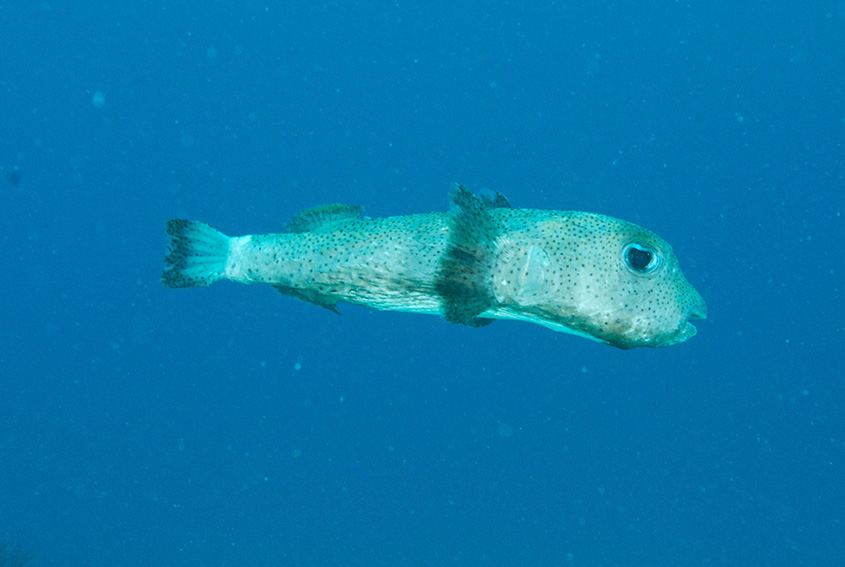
141,426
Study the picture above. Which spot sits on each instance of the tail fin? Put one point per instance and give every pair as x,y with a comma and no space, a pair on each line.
196,254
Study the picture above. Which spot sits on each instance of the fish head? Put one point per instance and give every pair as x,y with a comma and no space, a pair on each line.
616,282
642,298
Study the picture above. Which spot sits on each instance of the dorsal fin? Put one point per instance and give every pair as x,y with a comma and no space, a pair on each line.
463,276
495,200
316,217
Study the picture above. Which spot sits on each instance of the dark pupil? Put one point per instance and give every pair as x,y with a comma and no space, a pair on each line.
638,259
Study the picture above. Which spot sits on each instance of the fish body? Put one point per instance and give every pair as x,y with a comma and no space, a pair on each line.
583,273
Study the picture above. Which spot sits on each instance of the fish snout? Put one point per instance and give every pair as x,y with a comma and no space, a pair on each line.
697,307
698,311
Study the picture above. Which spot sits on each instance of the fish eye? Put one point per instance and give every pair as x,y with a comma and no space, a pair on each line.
641,259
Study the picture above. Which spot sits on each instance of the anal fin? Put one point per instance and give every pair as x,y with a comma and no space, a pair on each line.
309,297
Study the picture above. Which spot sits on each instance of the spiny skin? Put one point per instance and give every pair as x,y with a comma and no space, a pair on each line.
585,285
562,269
381,263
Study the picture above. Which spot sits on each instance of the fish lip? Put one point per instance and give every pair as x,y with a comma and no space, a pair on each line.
698,309
699,312
684,333
687,330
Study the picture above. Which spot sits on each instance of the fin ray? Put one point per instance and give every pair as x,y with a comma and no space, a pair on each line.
196,254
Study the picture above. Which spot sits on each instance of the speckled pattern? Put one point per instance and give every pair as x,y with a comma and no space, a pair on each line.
583,273
572,265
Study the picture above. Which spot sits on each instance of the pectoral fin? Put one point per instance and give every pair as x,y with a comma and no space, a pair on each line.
531,279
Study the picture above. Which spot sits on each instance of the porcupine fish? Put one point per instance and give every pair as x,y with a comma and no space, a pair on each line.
582,273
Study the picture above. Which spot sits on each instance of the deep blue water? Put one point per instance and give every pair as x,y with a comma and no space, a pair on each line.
141,426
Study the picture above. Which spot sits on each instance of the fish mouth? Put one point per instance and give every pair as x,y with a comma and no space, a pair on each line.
687,330
685,333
